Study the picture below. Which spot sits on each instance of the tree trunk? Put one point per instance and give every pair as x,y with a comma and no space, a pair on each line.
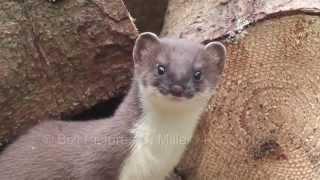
60,58
264,122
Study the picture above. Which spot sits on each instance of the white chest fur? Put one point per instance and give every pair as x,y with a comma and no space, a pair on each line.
160,140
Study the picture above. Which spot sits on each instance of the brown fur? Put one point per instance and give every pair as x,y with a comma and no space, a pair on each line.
56,150
73,150
181,58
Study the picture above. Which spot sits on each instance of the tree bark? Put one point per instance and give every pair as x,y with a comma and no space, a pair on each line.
263,122
60,58
148,14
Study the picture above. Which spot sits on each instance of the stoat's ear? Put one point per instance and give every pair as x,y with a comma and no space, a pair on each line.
145,44
217,53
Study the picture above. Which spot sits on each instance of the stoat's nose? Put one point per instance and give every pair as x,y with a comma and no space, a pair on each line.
176,90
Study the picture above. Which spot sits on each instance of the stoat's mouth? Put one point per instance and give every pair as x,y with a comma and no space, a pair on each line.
162,96
169,103
175,97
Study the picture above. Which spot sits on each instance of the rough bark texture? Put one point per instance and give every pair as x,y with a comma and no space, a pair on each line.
60,58
148,14
205,20
264,121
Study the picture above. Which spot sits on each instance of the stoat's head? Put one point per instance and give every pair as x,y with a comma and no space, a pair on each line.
177,71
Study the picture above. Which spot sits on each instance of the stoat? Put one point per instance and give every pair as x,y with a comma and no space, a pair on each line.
146,137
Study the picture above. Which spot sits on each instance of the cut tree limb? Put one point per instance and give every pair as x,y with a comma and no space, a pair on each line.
60,58
264,121
205,20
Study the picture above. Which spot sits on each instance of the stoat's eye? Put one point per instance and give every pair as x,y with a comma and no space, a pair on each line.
161,69
197,75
